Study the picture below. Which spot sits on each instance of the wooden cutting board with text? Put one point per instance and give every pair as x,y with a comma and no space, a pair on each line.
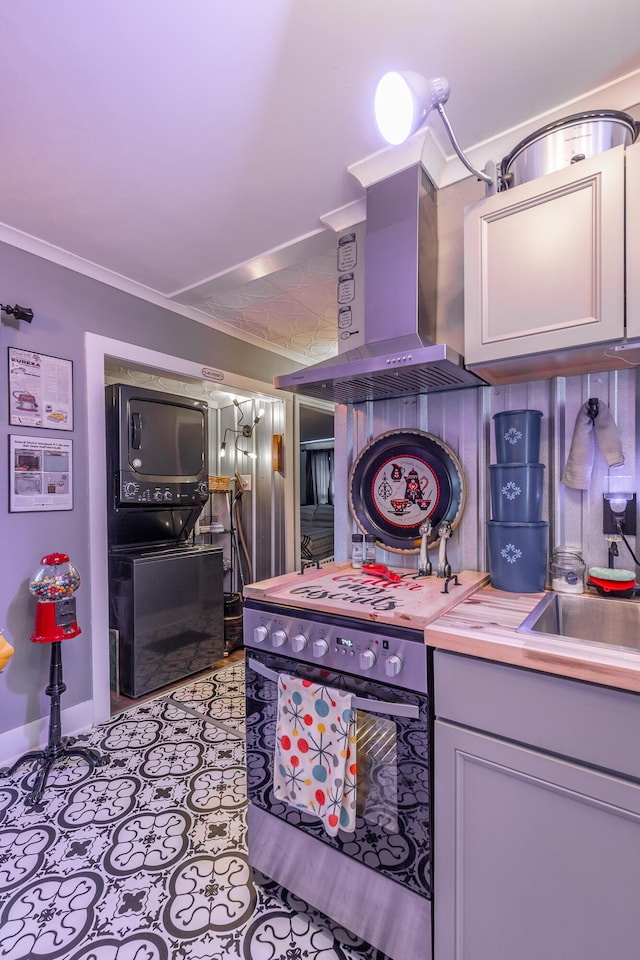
413,602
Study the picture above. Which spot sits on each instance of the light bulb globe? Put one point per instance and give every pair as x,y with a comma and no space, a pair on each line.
404,100
393,106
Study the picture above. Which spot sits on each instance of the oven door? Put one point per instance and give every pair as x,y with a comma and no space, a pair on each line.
392,833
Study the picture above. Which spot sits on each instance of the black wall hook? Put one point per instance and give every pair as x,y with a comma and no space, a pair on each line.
592,412
20,313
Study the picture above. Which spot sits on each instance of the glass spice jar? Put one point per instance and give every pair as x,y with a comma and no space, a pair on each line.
357,550
567,570
369,548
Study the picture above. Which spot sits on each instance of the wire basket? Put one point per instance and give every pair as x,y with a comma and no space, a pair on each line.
219,484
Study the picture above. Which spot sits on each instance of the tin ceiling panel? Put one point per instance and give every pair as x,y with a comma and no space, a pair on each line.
295,307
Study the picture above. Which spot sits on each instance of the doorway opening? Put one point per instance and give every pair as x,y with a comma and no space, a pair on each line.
317,473
101,351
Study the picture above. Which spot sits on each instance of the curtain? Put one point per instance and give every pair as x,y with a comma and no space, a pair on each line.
319,476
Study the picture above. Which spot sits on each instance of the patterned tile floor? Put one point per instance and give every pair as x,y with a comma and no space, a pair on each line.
145,858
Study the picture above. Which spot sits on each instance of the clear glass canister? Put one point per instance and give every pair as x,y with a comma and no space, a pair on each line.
56,579
567,571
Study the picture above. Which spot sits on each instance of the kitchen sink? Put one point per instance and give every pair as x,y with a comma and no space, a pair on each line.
600,620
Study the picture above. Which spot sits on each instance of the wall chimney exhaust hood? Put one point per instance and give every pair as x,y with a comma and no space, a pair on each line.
400,355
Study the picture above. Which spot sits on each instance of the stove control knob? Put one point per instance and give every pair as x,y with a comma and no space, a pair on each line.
278,638
393,666
260,634
320,648
299,642
367,660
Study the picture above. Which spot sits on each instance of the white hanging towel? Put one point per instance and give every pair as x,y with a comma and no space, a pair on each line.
577,472
315,752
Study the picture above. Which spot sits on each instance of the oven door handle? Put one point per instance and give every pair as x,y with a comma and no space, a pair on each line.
408,710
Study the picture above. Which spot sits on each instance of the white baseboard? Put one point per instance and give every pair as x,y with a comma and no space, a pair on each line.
34,736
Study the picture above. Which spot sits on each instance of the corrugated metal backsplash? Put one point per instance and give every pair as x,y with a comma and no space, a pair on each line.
463,419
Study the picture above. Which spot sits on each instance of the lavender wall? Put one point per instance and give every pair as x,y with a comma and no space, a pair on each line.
66,306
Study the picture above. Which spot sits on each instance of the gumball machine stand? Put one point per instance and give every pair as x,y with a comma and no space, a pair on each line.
54,585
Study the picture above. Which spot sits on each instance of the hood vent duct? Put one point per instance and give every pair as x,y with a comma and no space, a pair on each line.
400,355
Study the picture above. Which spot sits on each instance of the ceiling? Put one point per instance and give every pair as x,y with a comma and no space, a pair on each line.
193,149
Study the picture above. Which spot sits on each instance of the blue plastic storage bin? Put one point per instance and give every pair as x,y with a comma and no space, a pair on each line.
517,436
518,556
516,491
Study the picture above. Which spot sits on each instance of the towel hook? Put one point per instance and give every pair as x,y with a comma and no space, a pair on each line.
592,412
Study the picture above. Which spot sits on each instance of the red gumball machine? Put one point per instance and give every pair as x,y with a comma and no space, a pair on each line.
53,586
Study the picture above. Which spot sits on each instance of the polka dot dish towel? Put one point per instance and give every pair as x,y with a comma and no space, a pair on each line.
315,753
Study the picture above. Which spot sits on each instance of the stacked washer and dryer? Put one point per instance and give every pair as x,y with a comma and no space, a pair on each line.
165,593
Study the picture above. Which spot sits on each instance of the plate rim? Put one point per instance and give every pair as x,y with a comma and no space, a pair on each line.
413,544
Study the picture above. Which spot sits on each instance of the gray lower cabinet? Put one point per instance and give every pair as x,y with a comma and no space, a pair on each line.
536,856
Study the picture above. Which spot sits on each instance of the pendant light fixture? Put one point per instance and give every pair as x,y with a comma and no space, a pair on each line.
244,430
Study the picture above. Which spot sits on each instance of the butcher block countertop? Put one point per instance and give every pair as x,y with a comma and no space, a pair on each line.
471,618
485,625
340,589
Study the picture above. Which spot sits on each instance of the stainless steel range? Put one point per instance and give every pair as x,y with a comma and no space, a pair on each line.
340,632
376,879
344,631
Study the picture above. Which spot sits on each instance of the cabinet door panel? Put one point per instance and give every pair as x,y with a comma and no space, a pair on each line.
534,856
544,263
632,198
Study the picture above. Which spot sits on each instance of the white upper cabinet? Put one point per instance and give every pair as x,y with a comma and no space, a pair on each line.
544,272
633,242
